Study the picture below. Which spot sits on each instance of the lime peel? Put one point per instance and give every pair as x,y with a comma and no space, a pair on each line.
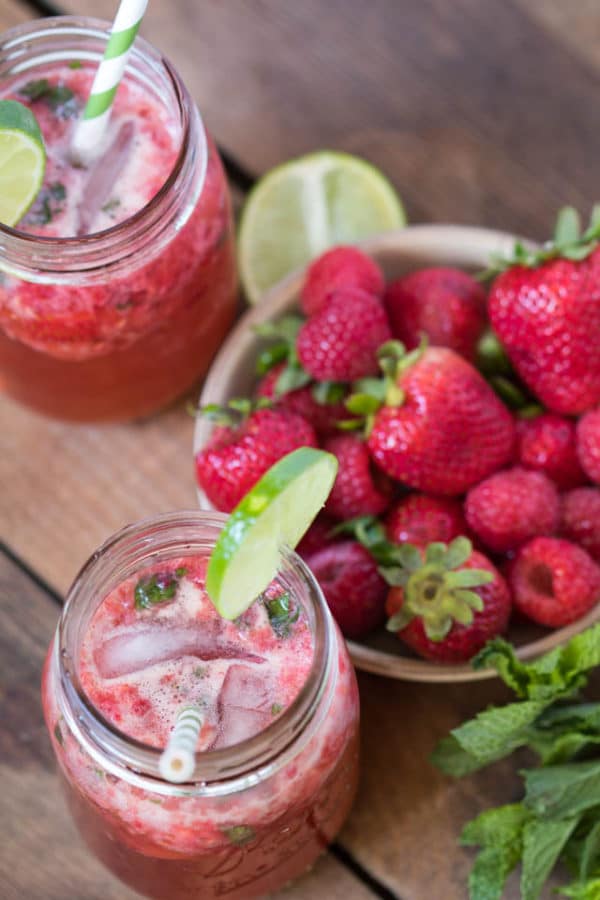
22,160
276,512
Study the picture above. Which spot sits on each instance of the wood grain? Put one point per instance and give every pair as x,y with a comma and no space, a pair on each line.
12,13
41,856
476,112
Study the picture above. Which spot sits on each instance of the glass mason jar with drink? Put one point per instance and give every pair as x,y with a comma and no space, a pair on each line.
276,743
119,283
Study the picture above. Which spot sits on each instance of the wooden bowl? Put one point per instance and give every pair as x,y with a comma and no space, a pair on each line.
232,375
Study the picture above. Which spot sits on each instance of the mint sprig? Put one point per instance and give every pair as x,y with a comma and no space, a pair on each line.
558,818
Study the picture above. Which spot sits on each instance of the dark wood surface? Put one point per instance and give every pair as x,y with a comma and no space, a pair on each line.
480,111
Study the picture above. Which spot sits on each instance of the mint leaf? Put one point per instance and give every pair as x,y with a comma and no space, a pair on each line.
590,853
452,759
559,792
490,870
503,825
157,588
281,614
589,890
240,834
542,845
498,731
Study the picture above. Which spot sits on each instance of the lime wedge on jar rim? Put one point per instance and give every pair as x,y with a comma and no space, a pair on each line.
22,160
304,207
275,512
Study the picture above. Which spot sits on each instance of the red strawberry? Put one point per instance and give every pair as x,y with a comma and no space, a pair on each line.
548,318
340,342
588,444
547,444
420,519
340,268
554,582
322,416
581,519
511,507
317,537
449,432
352,585
358,490
451,603
445,304
236,457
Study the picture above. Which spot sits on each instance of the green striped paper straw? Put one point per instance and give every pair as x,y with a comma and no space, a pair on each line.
88,136
178,761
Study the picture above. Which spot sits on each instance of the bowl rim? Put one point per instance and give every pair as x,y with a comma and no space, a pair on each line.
474,245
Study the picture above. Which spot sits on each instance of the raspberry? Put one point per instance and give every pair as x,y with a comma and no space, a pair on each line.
547,444
420,519
512,506
588,444
352,585
581,519
340,342
554,582
340,268
357,491
445,304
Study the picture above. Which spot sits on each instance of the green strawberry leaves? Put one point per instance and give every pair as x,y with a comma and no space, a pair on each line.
559,816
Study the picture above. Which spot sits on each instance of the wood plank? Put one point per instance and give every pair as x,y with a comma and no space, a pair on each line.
577,25
465,126
43,858
12,13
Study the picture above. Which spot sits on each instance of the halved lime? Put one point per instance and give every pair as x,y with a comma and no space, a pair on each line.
22,160
277,511
303,207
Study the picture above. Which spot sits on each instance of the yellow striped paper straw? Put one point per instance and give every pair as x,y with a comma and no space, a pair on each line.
90,130
178,761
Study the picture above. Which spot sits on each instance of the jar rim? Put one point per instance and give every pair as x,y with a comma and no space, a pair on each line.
217,771
17,40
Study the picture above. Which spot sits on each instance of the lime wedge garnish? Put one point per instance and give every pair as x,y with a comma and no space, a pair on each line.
303,207
277,511
22,160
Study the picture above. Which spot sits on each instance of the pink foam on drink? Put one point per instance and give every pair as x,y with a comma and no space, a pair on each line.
139,667
136,157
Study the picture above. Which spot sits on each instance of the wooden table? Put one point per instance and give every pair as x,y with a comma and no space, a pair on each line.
480,111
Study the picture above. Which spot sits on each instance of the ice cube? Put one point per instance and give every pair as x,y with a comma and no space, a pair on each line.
103,175
244,705
137,649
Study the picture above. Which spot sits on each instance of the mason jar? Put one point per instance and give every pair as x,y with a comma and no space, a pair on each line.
115,324
255,814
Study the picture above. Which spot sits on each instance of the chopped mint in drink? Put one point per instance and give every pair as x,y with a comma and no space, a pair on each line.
59,97
281,614
49,203
75,64
201,671
58,735
240,834
110,206
276,709
181,571
154,589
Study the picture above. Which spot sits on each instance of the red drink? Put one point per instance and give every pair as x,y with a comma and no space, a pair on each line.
119,284
277,752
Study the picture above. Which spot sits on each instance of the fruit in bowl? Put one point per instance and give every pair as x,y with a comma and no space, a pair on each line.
459,459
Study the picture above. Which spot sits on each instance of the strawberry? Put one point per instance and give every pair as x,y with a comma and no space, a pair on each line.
508,508
443,428
352,585
235,457
581,519
588,444
420,519
554,582
547,444
445,304
358,490
338,269
447,601
304,401
340,342
545,308
318,536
